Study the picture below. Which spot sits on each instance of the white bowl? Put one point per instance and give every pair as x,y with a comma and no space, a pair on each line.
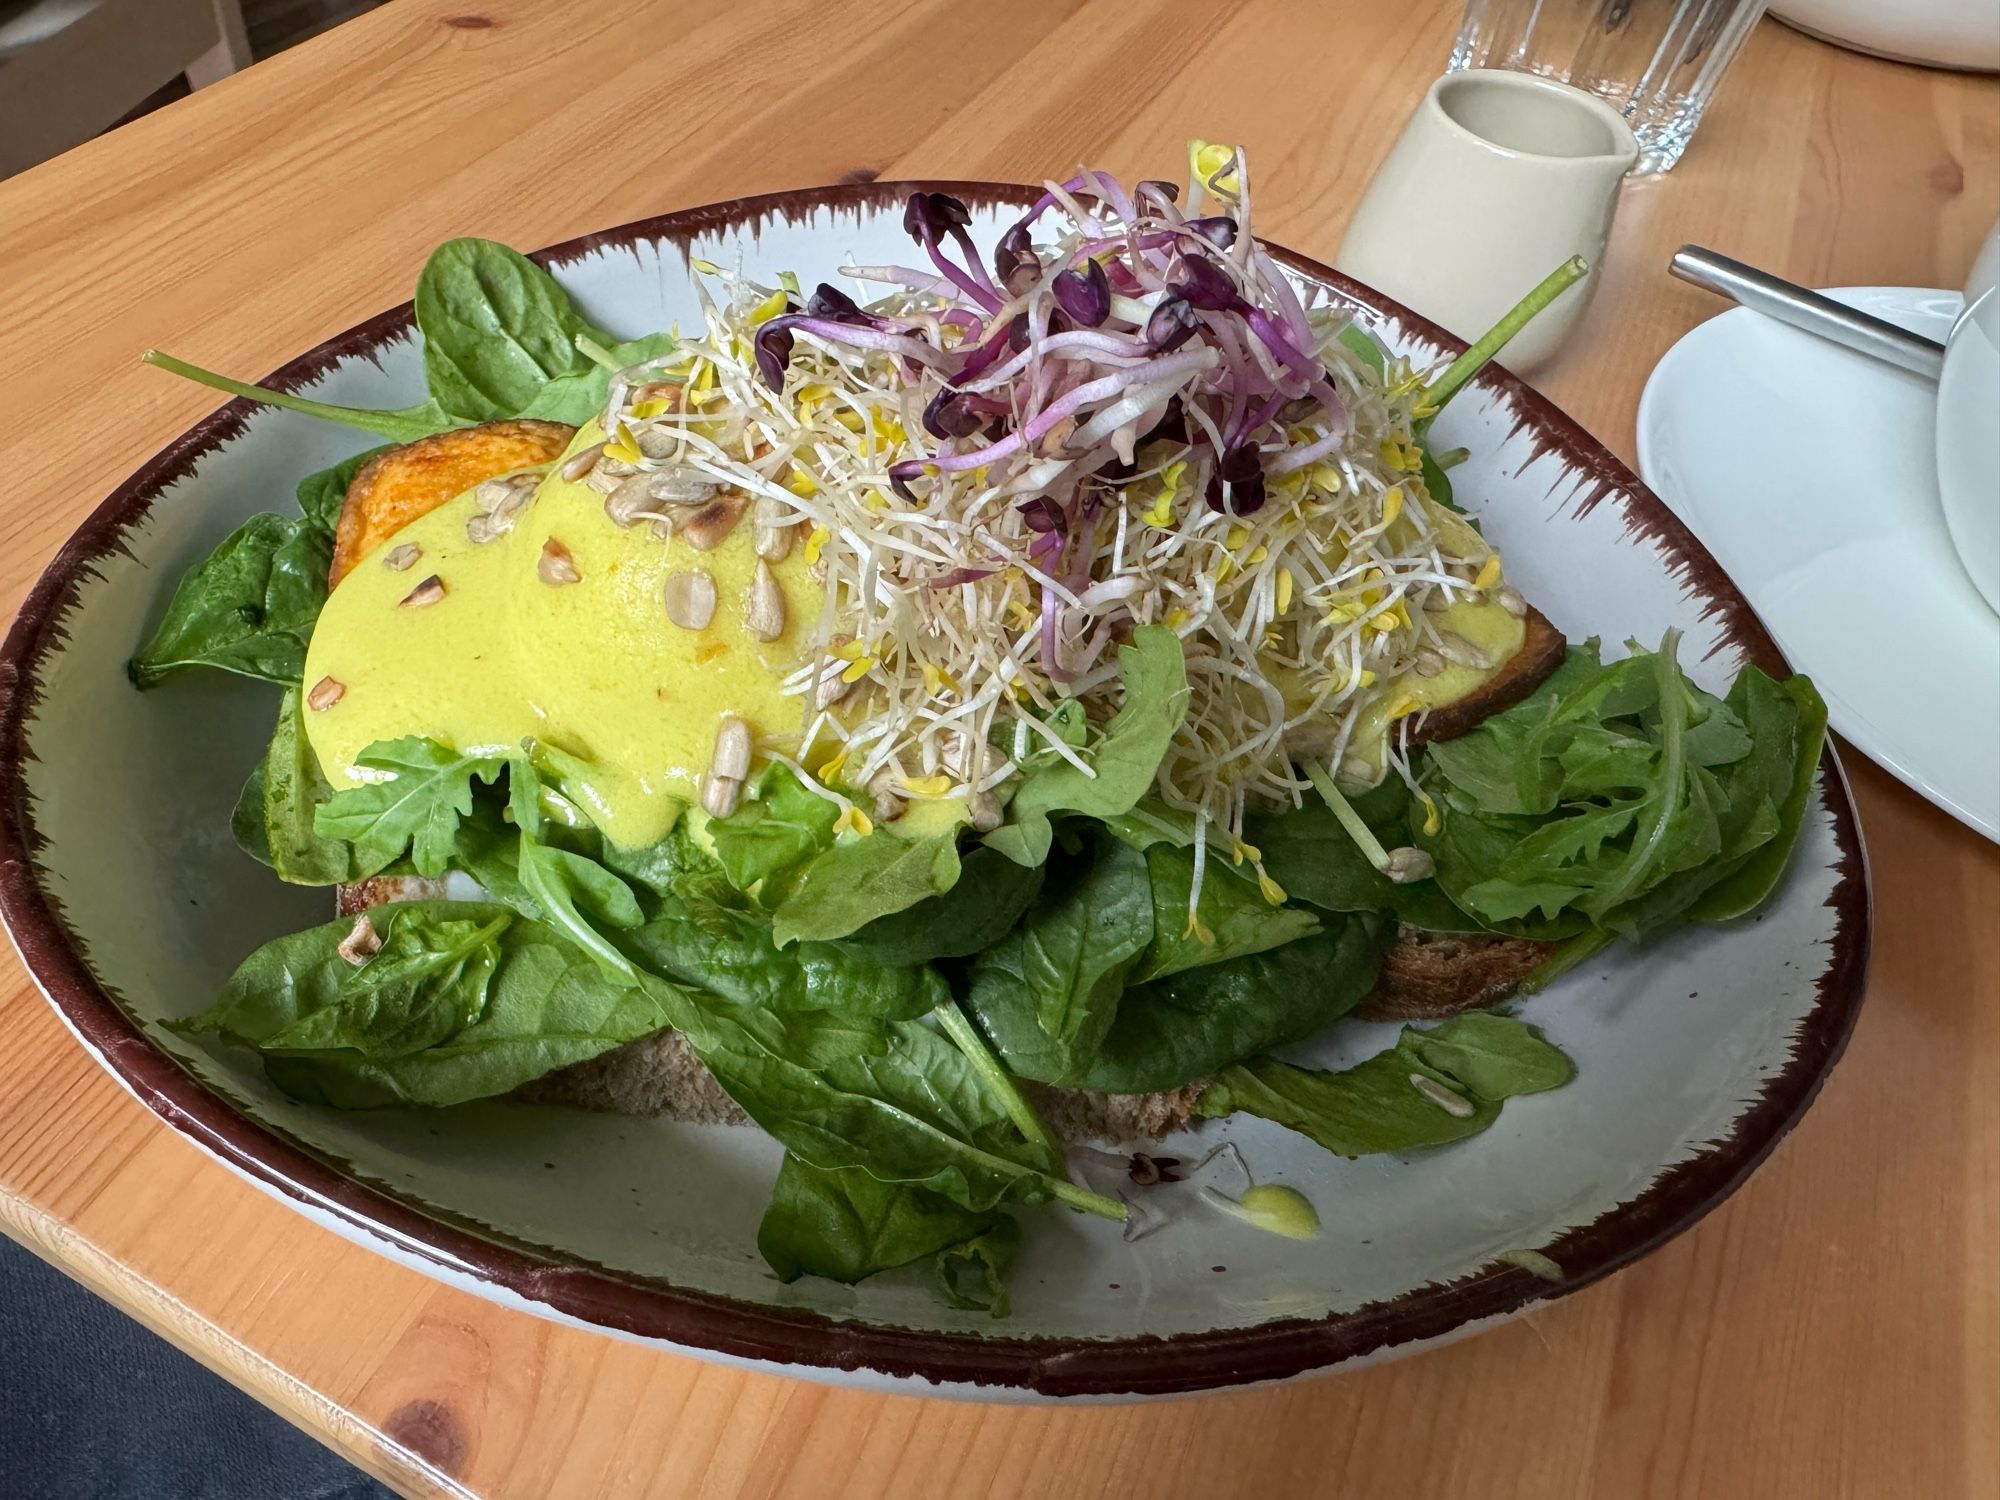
130,905
1937,33
1968,425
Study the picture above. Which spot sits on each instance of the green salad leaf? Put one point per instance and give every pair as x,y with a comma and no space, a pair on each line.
403,424
425,793
988,898
846,1225
497,329
465,1000
580,396
1125,757
731,953
1480,1058
972,1274
1187,1025
1617,795
246,819
1047,993
1235,917
861,880
292,790
777,830
1317,861
249,607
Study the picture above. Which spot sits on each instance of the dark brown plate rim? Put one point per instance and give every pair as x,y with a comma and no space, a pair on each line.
652,1309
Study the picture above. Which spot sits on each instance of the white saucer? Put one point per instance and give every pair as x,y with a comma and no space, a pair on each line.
1810,473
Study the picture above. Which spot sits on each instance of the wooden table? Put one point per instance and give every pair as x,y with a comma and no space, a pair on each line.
1833,1330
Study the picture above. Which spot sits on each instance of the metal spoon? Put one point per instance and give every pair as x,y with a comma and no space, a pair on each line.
1808,310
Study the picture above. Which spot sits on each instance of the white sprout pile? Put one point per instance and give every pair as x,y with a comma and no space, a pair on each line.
972,463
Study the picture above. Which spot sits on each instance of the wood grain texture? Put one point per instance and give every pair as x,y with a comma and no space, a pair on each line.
1834,1330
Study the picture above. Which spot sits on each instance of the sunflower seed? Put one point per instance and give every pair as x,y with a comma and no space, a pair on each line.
774,543
1455,647
728,764
1427,663
1408,864
681,486
556,566
710,526
833,684
1357,772
1454,1104
325,693
882,789
428,592
982,811
655,442
690,598
764,605
401,559
509,490
1509,598
628,504
581,462
609,473
361,943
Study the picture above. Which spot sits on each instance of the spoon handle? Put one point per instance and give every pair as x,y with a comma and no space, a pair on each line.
1808,310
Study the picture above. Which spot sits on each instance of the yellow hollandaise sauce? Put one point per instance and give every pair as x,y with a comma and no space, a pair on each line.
592,666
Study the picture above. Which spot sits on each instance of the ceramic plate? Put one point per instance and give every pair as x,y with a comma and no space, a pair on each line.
131,904
1811,473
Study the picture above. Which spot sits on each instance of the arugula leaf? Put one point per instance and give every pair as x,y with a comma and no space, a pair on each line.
1048,992
401,425
856,882
248,607
730,953
572,893
417,807
1317,861
1175,1030
1617,795
497,328
846,1224
1125,758
1372,1107
989,897
472,1001
292,790
776,831
1237,918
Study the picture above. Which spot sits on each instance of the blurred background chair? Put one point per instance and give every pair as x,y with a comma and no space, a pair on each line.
71,68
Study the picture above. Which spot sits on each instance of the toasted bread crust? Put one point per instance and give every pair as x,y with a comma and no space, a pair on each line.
1541,653
1427,976
394,488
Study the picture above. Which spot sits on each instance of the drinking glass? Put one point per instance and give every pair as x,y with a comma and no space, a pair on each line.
1656,62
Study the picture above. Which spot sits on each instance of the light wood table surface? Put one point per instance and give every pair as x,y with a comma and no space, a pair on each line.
1833,1330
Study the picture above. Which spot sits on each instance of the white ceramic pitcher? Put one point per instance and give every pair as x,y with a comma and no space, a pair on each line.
1497,180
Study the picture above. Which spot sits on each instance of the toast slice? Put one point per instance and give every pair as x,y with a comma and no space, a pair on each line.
1426,975
413,479
1541,652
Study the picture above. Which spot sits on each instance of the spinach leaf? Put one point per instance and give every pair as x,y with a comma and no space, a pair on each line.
1317,861
991,894
322,492
248,607
401,425
292,791
1125,758
1150,821
972,1275
497,329
896,1099
246,819
846,1224
1188,1025
730,953
1374,1106
1235,917
1048,992
465,1000
579,397
417,807
860,880
773,834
